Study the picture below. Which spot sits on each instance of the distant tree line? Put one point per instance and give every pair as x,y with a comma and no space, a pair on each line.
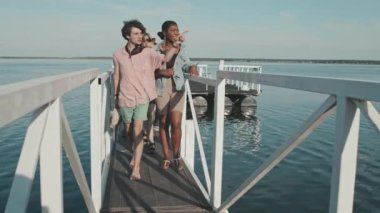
311,61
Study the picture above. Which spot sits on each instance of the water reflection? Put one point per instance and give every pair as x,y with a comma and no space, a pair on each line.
228,106
242,129
229,111
239,106
242,135
200,111
240,112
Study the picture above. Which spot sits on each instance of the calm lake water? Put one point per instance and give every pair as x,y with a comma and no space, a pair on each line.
300,183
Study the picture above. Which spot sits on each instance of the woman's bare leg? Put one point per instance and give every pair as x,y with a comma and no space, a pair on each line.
176,132
164,137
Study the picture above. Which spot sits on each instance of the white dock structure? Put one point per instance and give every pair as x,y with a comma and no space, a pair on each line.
240,85
50,131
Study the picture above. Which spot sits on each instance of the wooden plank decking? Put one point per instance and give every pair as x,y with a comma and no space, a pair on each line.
157,191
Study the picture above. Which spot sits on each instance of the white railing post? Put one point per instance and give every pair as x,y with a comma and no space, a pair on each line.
187,144
198,136
51,162
103,127
106,133
108,110
189,138
258,86
96,164
182,148
221,65
217,160
26,167
75,163
345,156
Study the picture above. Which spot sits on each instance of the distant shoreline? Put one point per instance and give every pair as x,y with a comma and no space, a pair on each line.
314,61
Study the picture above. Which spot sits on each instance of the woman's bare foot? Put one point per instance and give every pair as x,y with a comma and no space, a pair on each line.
165,164
178,163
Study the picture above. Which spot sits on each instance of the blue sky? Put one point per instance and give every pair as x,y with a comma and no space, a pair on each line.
294,29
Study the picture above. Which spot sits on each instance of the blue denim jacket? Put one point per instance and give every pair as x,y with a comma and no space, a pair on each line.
181,65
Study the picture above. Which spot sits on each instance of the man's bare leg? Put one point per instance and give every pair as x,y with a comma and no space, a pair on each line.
138,149
151,117
129,139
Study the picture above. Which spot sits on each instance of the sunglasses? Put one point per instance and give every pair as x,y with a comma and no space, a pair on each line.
151,40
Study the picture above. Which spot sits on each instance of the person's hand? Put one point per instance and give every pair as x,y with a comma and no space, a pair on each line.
116,101
168,73
177,43
182,37
194,71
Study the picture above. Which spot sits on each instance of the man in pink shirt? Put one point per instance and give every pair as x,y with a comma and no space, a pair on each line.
134,84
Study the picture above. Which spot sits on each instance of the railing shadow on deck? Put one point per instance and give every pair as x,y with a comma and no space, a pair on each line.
347,98
151,162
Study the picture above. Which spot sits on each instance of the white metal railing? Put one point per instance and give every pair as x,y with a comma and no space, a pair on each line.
101,139
203,70
187,148
214,183
242,85
48,132
346,97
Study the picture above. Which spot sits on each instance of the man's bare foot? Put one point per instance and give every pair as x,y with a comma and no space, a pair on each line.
135,175
132,162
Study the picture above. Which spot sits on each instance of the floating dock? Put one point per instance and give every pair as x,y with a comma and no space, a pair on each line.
237,93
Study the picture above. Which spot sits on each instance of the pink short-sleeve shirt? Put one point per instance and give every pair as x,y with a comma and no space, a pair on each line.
137,81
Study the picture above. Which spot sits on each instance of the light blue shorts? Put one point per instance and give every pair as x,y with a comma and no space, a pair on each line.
137,113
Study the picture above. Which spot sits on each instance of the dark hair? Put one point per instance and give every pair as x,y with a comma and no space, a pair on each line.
165,26
126,30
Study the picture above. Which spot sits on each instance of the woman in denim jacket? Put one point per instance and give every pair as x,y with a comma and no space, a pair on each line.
170,89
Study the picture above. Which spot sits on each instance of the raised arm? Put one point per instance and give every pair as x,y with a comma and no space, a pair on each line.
188,66
177,44
167,73
169,54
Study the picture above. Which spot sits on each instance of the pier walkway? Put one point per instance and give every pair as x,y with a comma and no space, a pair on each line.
49,135
158,191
